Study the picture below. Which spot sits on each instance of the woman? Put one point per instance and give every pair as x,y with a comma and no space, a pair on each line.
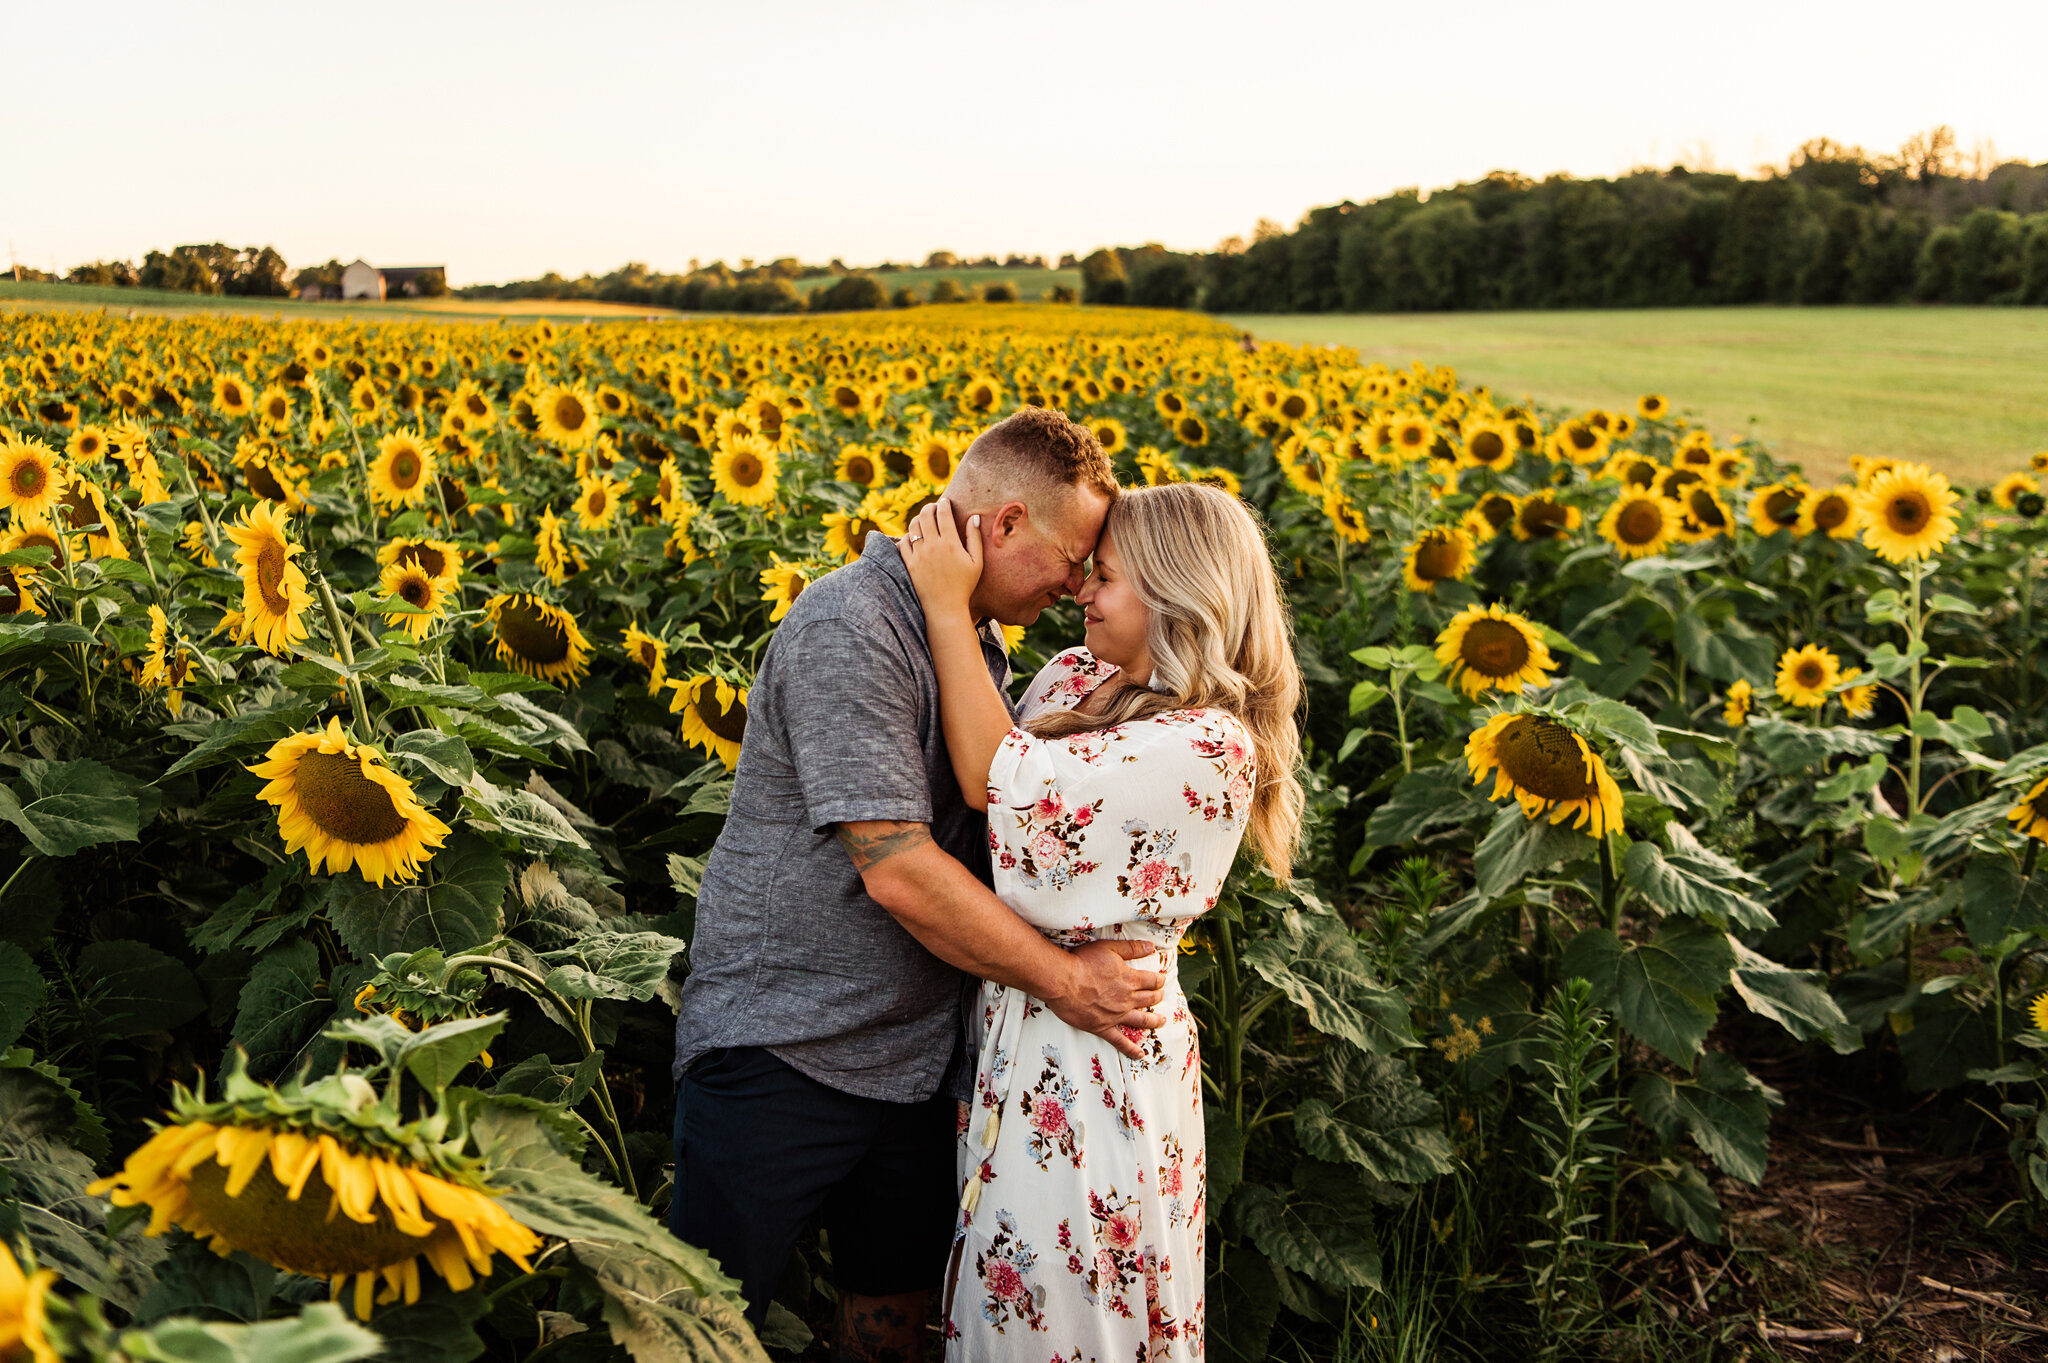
1116,808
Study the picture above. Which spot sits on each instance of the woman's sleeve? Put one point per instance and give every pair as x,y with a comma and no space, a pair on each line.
1194,767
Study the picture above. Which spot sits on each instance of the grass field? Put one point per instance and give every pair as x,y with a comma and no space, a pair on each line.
1028,283
1965,389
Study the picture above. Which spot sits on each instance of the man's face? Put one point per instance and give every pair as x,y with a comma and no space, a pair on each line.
1033,561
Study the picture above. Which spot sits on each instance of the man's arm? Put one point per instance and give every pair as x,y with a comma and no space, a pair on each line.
956,918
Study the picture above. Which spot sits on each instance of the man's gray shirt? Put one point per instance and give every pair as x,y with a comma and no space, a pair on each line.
790,953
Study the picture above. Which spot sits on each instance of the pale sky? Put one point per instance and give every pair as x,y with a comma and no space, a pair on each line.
507,139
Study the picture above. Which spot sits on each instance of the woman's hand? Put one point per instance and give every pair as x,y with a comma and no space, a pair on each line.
942,567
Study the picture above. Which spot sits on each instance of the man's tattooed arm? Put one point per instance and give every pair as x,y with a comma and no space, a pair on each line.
870,843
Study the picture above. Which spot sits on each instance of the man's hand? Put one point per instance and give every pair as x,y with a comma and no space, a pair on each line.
1107,995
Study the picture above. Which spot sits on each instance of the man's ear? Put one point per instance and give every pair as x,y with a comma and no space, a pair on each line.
1006,521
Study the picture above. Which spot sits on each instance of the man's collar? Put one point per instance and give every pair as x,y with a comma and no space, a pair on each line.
883,551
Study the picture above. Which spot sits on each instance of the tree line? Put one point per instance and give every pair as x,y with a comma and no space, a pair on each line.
1835,225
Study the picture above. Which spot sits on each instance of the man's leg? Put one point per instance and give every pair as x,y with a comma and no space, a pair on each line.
758,1148
891,1226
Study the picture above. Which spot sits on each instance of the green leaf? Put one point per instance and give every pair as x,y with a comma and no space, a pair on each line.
438,1328
1885,839
319,1334
1561,643
1321,1228
436,1055
1683,1200
522,814
1947,1040
282,1006
1694,880
1622,723
71,817
1244,1302
1852,781
248,734
539,1078
1387,1124
1796,1000
1518,846
1726,651
1997,903
1662,990
1423,800
1324,974
135,990
613,965
445,755
1225,1140
1942,601
458,910
1726,1111
1792,747
193,1280
1965,729
1365,695
21,992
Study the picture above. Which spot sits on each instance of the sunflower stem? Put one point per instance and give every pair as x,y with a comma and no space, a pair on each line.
357,700
9,883
1610,896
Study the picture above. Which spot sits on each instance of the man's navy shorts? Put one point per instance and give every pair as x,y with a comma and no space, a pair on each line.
762,1148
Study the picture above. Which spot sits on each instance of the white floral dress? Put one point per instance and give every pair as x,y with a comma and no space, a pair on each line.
1081,1227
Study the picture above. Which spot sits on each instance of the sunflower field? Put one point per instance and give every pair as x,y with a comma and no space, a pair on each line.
370,693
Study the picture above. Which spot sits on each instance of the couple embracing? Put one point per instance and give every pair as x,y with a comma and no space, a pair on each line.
933,997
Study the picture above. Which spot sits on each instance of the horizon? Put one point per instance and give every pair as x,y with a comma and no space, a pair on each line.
444,137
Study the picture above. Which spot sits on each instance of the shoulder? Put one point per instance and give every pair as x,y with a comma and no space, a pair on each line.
1208,735
860,601
1061,683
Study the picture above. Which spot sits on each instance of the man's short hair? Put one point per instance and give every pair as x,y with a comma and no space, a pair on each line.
1037,450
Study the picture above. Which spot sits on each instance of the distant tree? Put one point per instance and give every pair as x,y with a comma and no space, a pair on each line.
1102,278
1069,261
999,292
853,293
432,284
1165,283
942,260
1063,293
905,297
117,273
948,291
259,272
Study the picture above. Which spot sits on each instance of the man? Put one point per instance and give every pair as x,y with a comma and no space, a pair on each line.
819,1052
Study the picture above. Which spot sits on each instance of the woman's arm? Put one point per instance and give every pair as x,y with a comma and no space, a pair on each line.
944,569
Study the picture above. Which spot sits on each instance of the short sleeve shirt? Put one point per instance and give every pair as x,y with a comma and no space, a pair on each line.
790,953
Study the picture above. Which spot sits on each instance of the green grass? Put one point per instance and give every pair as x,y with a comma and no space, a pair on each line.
1028,283
1964,389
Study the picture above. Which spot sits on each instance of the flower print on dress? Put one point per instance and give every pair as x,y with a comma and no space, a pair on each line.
1155,872
1048,1108
1004,1269
1083,673
1044,838
1114,1260
1173,1184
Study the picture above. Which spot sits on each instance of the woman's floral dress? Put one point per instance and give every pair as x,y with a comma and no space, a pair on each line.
1081,1226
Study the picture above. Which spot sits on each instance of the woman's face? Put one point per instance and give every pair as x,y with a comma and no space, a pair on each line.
1118,622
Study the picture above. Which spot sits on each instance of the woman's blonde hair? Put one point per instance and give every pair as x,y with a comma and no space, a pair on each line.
1220,638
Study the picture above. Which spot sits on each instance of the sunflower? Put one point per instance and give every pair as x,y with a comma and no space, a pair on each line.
2030,816
1444,553
782,584
1493,513
1540,516
86,445
746,472
1410,436
935,454
1489,445
403,470
846,532
2037,1013
1548,769
1705,514
1490,648
859,466
418,588
677,516
161,667
611,401
1908,512
1741,699
15,596
437,558
981,394
1190,429
1775,506
650,652
274,408
714,715
1217,477
85,506
321,1201
597,501
339,802
1653,407
1157,467
1346,516
1806,675
274,595
566,415
1829,511
538,639
31,479
473,405
233,396
1578,442
22,1318
2004,495
550,549
1170,405
1859,700
1110,434
1640,523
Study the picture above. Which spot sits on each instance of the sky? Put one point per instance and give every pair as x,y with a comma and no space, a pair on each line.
507,139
